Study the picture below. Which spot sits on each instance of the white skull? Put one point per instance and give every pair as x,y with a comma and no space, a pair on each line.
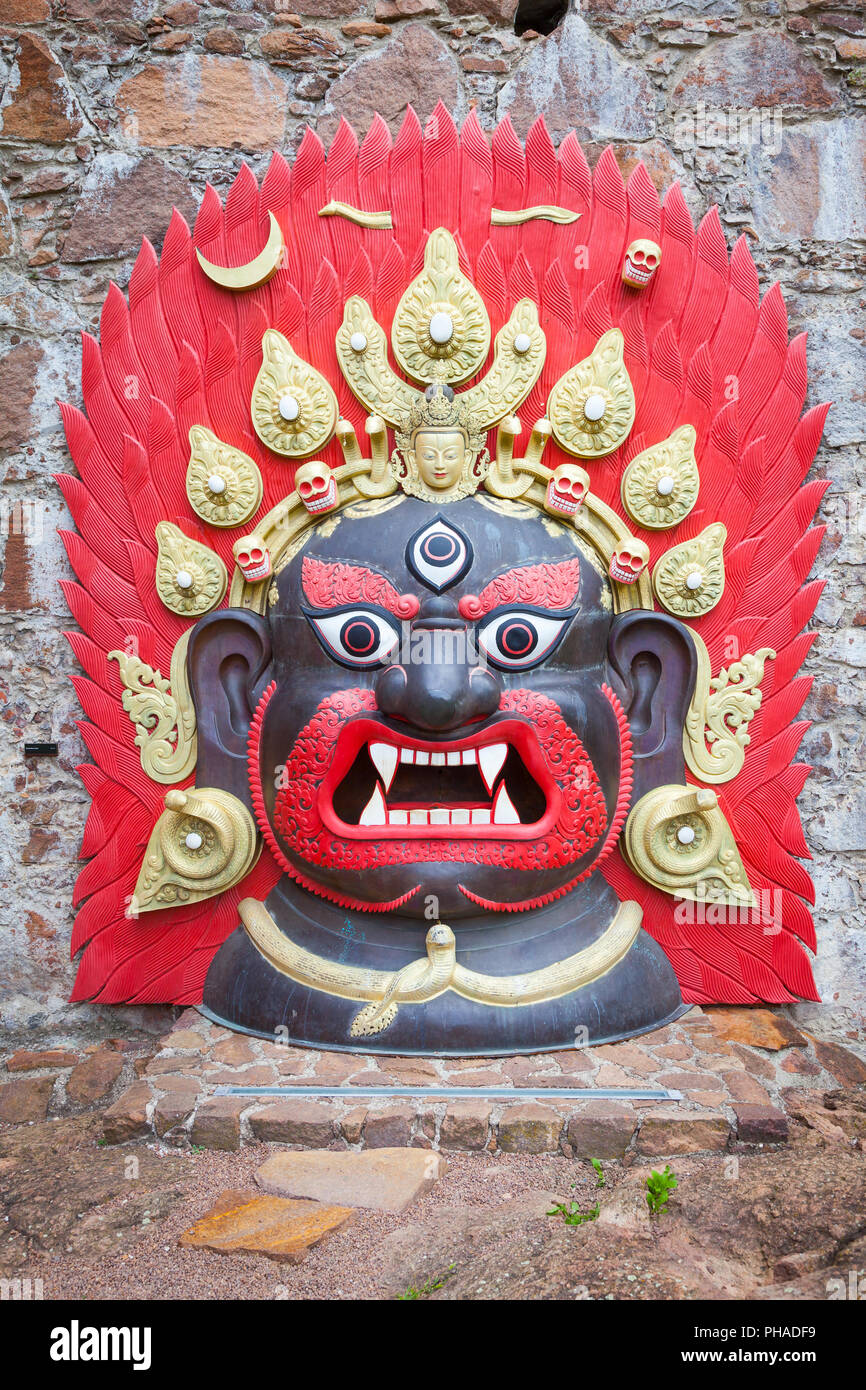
317,487
628,561
252,557
567,489
642,260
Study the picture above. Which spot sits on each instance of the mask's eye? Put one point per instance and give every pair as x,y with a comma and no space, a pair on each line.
360,637
518,637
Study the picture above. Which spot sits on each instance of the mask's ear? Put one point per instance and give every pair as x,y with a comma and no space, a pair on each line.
655,664
228,663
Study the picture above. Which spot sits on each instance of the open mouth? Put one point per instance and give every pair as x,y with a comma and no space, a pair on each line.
492,784
641,273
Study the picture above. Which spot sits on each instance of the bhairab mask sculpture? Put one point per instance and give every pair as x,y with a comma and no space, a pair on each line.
457,763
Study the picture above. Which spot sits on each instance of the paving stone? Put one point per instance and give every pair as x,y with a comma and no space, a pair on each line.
754,1062
466,1125
845,1066
690,1081
379,1179
127,1117
233,1052
530,1129
745,1088
244,1221
94,1077
25,1100
217,1123
761,1124
674,1052
171,1111
163,1063
757,1027
574,1061
333,1068
263,1075
295,1122
629,1056
798,1064
177,1085
601,1130
38,1061
388,1129
184,1040
480,1078
352,1124
662,1133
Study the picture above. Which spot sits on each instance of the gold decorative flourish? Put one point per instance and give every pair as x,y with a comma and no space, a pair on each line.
677,839
293,407
190,579
592,407
660,485
162,712
545,212
203,843
366,368
438,971
441,331
377,221
716,732
223,484
518,357
689,579
257,271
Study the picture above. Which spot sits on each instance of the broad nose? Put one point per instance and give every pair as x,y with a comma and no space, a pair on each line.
440,684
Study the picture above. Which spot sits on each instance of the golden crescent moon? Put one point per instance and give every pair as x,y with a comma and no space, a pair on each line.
254,273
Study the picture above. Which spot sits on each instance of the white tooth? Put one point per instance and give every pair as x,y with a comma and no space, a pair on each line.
453,759
503,810
460,816
384,755
422,758
398,817
439,815
438,759
417,817
374,812
469,755
407,755
480,817
490,760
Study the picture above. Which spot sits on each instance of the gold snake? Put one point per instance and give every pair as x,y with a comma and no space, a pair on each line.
431,975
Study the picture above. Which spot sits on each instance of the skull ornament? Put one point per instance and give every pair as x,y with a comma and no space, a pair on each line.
567,489
317,487
628,561
252,557
642,260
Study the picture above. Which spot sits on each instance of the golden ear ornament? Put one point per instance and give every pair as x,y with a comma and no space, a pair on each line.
660,485
689,579
592,406
203,843
440,329
716,732
293,407
223,484
190,578
678,839
162,713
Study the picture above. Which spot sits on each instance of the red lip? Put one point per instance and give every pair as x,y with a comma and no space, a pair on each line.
572,821
460,785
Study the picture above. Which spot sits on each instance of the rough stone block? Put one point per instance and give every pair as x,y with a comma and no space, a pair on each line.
761,1124
127,1117
247,1222
295,1122
388,1129
466,1125
382,1179
25,1100
94,1077
217,1123
601,1131
662,1134
529,1129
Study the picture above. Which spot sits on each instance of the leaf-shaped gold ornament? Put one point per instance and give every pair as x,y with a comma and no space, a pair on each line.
293,408
660,485
190,579
689,579
591,407
223,484
441,331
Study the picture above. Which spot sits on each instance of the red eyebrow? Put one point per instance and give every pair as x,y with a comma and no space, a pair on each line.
544,586
329,584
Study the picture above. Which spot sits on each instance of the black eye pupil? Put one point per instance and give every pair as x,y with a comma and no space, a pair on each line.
359,636
517,639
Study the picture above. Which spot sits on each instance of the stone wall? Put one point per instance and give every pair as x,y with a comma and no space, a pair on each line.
112,110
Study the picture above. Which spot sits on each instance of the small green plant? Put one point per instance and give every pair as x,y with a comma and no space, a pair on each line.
572,1214
429,1285
599,1171
659,1187
196,1148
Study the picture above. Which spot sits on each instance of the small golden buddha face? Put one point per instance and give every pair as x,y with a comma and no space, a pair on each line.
439,457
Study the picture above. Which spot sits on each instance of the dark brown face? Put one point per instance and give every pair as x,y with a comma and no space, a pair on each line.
439,723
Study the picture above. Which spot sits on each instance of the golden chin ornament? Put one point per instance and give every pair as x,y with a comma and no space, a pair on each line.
440,454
